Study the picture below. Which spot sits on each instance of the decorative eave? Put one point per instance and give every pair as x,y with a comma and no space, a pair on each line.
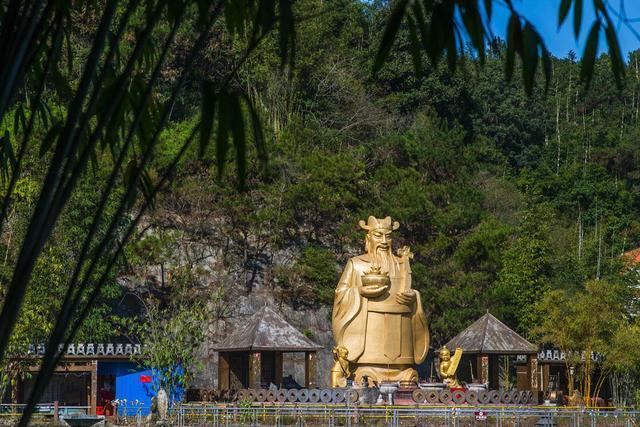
488,335
88,351
266,330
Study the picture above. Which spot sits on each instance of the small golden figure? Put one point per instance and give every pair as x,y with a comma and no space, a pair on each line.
340,371
449,365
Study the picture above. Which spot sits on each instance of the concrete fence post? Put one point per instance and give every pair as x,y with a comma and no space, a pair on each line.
56,412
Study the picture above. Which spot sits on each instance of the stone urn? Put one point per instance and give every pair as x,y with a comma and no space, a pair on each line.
389,388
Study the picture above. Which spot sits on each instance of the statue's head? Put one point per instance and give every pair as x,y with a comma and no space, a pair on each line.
378,233
445,354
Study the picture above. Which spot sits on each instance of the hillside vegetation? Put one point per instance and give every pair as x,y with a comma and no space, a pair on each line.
502,197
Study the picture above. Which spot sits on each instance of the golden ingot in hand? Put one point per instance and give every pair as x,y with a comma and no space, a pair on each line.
375,278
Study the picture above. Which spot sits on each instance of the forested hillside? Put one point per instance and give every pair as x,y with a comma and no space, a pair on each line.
502,197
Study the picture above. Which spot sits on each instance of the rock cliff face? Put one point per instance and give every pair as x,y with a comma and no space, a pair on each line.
234,272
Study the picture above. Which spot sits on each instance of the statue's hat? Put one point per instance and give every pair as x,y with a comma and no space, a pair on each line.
374,223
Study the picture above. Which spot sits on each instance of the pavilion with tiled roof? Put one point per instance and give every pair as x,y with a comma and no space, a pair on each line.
251,357
488,338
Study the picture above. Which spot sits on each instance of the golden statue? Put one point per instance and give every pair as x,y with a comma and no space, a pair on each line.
377,317
340,371
449,365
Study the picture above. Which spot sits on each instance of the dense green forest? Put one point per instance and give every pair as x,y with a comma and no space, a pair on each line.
504,198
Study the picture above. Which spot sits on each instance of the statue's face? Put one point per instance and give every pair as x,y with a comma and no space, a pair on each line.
445,356
380,239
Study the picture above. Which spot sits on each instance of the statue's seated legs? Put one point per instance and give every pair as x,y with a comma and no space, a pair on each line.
380,373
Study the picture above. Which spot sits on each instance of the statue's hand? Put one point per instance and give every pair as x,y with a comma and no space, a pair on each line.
372,291
406,297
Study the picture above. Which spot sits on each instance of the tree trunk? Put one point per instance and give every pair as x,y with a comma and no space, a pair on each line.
557,129
580,232
568,96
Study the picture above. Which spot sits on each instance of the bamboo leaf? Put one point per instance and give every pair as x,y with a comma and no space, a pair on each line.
61,83
416,51
421,23
4,169
487,7
565,5
258,135
8,158
93,156
146,186
239,138
207,114
474,26
589,55
234,16
49,138
452,53
437,35
264,18
577,17
8,149
529,57
44,113
389,35
287,33
547,66
67,36
203,9
173,10
222,142
615,56
129,171
22,117
16,120
513,44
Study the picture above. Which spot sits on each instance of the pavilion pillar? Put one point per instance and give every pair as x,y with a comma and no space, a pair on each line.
532,361
522,375
482,366
278,368
494,371
310,369
255,370
93,393
544,368
223,371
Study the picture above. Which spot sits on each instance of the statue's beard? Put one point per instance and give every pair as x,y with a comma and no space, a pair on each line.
383,256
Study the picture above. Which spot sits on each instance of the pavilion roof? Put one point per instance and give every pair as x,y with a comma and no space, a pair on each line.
266,330
488,335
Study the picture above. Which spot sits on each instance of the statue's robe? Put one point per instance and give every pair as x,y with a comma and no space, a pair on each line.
379,331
